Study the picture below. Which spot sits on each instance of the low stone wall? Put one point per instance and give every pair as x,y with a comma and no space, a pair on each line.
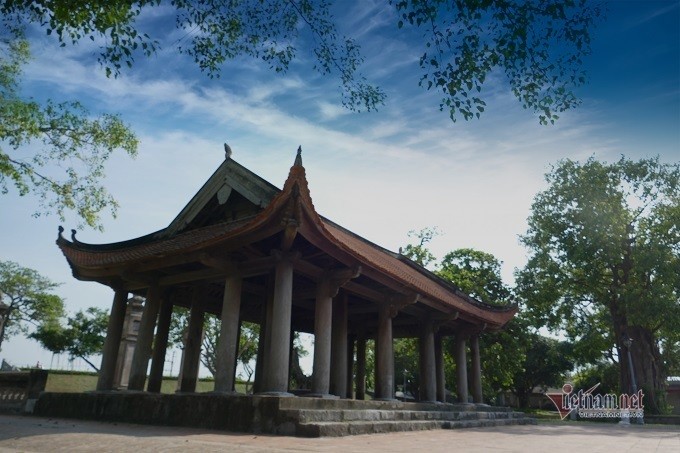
19,390
258,414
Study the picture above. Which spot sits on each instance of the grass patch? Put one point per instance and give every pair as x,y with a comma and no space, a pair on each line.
76,382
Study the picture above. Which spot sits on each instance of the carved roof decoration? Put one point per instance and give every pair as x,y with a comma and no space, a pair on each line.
268,211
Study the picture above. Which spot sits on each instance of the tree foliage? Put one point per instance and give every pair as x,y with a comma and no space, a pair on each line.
605,252
82,337
538,46
419,252
26,299
54,151
476,273
545,364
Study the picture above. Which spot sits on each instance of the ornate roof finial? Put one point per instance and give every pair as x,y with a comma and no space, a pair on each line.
73,236
227,151
298,158
61,230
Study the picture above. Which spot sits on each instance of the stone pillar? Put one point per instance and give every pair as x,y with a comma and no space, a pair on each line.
350,367
265,335
361,369
238,343
140,359
227,344
384,356
159,348
339,346
476,381
461,369
428,378
192,346
278,352
323,316
439,366
114,332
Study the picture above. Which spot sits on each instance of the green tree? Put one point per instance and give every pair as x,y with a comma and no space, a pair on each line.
545,364
477,273
538,46
54,151
605,253
82,337
26,299
418,252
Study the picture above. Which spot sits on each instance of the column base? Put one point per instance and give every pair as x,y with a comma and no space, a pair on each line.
466,404
281,394
325,396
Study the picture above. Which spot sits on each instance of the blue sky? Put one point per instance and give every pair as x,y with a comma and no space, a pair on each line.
379,174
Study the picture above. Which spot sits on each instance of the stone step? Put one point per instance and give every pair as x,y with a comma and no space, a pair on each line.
347,428
332,415
338,404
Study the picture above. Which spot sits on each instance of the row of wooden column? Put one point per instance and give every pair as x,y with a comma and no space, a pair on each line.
332,345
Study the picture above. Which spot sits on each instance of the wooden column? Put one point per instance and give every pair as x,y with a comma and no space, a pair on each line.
140,358
461,369
439,365
384,355
323,316
361,368
238,343
428,378
339,346
262,343
277,356
114,332
350,367
192,347
160,347
476,364
227,344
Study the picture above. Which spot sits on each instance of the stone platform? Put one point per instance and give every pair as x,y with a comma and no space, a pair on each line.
292,416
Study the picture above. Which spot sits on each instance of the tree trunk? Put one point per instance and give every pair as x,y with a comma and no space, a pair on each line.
647,366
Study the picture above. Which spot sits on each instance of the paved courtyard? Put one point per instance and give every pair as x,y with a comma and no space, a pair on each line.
33,434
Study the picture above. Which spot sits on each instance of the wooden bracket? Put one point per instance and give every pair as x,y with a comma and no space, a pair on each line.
336,278
397,302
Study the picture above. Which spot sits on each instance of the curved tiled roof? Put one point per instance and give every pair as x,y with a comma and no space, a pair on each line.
389,264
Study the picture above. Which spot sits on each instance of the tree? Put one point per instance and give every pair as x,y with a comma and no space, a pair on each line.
36,140
538,46
26,299
419,253
82,337
477,273
605,252
546,362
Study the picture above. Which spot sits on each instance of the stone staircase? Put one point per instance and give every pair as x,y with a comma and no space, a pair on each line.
323,417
